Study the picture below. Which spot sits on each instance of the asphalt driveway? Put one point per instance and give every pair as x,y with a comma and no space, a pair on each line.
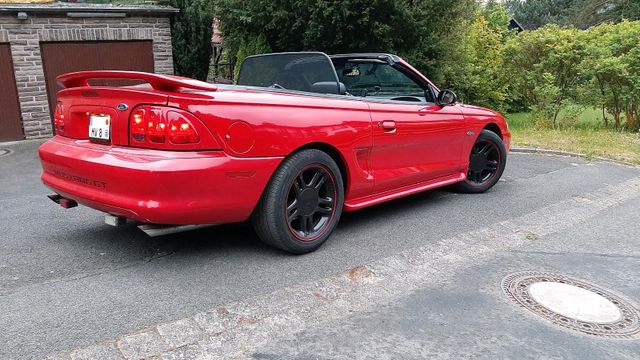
68,281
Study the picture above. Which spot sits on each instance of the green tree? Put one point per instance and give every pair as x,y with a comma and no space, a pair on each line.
330,26
254,45
191,37
533,14
627,47
497,17
611,67
477,74
605,73
589,13
582,14
421,31
440,27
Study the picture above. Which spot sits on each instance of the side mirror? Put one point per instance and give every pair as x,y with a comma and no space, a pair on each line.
446,97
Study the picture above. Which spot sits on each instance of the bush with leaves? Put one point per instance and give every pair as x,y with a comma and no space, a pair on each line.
610,69
542,68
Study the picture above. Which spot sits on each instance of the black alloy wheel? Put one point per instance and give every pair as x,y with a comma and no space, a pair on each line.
487,160
484,161
311,202
302,203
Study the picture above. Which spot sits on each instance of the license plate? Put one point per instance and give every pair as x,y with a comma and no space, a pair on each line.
99,127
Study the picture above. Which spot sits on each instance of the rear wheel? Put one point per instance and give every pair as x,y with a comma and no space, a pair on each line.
302,204
486,163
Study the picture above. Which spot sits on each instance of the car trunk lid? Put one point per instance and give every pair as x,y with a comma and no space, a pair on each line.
79,106
102,113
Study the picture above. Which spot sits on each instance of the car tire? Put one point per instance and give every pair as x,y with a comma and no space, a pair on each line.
487,161
302,203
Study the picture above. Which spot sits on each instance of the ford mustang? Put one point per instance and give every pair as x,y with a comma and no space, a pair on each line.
300,138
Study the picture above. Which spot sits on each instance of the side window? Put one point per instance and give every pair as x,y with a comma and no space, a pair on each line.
380,81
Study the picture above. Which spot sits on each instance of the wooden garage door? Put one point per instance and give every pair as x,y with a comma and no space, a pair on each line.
62,57
10,119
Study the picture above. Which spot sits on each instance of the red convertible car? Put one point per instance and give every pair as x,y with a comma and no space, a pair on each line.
299,139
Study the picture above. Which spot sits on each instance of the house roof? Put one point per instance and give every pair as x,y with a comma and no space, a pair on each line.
514,24
58,7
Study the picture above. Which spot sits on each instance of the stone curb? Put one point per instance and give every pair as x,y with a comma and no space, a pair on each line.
25,142
554,152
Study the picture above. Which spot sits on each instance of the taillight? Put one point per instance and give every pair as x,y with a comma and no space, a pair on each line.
181,131
156,125
58,118
167,128
138,127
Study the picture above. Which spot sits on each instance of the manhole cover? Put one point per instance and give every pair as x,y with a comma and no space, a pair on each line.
4,152
574,304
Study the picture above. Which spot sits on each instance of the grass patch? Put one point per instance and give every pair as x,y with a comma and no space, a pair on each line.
585,134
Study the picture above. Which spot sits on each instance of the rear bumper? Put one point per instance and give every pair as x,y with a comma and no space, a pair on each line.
155,186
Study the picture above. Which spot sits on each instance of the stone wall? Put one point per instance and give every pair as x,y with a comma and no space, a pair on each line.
25,36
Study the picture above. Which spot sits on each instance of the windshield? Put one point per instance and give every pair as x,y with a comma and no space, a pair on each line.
311,72
376,78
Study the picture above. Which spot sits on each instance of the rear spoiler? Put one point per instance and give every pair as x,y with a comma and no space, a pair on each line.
157,81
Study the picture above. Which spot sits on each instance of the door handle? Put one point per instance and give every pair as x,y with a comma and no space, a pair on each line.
387,125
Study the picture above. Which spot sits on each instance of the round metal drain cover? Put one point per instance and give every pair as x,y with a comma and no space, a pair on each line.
4,152
574,304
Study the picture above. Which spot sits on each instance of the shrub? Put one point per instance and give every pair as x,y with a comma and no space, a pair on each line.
542,66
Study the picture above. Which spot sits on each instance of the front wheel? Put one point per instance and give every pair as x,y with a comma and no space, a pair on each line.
302,204
486,163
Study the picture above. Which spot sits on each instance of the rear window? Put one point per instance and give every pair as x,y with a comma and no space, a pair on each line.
291,71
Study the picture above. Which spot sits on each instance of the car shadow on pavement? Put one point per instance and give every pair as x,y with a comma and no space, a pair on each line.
236,238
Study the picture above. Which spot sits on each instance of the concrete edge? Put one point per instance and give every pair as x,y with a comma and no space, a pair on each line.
555,152
24,142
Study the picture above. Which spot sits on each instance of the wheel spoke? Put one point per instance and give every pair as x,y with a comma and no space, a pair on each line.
324,210
484,149
314,178
491,151
492,165
300,180
294,215
318,181
476,176
306,223
293,205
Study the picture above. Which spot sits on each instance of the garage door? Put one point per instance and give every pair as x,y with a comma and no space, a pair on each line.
62,57
10,119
